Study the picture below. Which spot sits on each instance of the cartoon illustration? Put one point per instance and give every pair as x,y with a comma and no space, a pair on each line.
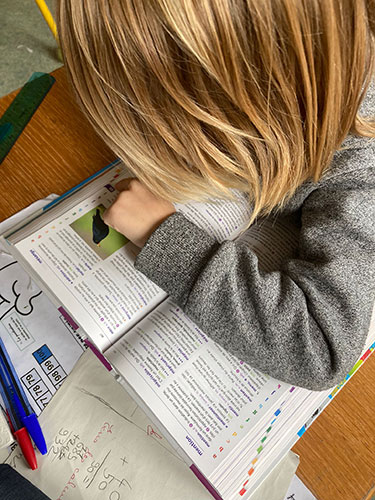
16,294
100,230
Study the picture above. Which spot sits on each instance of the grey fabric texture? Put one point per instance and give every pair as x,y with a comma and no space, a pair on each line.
305,323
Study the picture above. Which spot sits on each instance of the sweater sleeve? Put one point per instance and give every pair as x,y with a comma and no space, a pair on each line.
305,323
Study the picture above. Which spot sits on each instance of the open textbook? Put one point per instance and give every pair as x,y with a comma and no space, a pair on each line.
231,423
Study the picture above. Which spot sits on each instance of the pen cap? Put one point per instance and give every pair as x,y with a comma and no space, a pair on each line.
32,425
26,446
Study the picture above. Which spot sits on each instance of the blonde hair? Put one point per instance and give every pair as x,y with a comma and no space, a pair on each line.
201,96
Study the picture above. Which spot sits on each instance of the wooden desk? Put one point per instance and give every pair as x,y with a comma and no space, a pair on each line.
56,151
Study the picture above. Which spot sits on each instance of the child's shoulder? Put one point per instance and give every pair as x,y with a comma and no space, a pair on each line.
352,144
352,170
354,162
367,107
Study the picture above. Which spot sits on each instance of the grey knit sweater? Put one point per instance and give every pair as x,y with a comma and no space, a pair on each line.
307,322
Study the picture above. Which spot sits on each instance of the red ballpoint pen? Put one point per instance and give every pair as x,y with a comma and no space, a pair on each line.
19,431
23,439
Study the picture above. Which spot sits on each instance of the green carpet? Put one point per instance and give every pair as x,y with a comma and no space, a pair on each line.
26,43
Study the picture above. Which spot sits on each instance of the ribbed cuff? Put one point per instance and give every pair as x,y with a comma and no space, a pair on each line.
175,255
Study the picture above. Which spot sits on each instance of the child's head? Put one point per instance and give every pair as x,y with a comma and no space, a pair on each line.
198,96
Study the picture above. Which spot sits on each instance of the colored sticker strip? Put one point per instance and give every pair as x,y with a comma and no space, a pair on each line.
357,365
243,490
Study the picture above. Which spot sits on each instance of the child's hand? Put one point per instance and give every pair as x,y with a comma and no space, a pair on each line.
137,212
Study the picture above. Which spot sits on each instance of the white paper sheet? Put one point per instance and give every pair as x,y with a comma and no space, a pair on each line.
278,480
298,491
6,437
102,446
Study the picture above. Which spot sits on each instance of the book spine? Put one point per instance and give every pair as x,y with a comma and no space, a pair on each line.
98,354
205,482
80,185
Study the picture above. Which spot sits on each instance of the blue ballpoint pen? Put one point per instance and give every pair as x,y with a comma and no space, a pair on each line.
28,417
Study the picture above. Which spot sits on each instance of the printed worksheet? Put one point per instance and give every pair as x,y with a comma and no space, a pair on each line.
42,345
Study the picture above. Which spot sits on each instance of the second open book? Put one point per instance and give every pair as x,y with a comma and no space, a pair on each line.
230,422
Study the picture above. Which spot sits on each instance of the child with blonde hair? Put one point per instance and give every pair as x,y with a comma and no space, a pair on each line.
200,97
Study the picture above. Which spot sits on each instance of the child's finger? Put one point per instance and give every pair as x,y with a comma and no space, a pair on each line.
124,184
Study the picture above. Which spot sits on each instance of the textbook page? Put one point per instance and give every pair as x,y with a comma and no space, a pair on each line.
89,268
273,241
222,219
203,395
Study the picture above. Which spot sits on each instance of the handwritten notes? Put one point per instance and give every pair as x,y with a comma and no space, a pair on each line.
102,446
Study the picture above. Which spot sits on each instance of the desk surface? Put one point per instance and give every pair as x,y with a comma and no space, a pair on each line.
55,152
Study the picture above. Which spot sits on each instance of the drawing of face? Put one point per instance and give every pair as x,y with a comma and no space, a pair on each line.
16,292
